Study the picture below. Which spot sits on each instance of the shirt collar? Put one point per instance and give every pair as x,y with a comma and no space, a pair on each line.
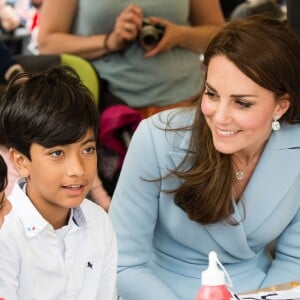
32,220
78,216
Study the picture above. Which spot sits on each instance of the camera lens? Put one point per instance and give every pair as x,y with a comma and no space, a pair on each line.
150,34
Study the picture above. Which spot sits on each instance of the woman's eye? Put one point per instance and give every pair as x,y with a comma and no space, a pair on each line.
211,95
89,150
56,153
243,104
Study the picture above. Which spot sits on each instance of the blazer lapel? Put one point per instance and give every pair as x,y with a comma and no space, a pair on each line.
219,232
178,156
276,171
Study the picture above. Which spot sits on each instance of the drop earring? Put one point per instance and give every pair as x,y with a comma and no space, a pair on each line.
275,124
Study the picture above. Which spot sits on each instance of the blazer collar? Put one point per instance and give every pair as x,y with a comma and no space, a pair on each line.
288,136
178,155
276,171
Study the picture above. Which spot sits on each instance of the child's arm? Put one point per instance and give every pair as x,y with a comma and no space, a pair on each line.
99,194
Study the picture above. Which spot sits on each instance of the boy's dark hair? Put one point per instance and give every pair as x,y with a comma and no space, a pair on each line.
49,108
3,174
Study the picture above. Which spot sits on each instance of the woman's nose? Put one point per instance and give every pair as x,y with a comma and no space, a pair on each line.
222,113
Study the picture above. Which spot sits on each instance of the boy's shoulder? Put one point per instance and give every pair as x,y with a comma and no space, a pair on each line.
94,215
91,210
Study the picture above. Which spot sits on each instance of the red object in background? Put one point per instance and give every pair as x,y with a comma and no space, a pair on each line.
114,121
35,23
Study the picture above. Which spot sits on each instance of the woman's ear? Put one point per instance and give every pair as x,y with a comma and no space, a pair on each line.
21,162
283,105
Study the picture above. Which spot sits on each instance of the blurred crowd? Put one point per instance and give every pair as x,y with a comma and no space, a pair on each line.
21,17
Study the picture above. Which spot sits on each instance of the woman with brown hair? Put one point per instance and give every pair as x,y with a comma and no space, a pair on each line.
222,175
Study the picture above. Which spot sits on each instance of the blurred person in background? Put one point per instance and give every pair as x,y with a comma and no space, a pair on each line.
293,15
20,19
108,35
229,6
9,67
270,8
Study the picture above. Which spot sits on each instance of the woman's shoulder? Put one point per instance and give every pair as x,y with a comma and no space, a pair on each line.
174,119
288,136
290,128
93,212
166,130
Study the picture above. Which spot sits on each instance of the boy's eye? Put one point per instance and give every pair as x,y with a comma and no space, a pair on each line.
90,150
56,153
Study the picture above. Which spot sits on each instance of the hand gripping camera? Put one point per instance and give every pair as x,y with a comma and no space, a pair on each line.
150,34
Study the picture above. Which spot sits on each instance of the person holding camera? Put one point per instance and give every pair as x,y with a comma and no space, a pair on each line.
108,34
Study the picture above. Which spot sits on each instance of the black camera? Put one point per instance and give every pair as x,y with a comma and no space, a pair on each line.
150,34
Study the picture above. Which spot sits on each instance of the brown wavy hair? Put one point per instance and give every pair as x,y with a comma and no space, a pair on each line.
266,51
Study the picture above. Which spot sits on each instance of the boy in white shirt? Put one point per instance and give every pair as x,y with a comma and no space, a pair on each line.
55,244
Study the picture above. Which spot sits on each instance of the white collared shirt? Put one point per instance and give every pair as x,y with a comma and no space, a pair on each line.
32,265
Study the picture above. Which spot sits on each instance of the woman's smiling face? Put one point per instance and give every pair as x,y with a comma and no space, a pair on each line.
237,110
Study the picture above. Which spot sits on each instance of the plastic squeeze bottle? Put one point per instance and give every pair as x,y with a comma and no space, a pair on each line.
213,286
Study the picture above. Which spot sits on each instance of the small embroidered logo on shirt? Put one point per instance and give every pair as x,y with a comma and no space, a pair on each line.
31,229
90,265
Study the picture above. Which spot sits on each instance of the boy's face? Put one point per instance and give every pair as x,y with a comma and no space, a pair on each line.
5,207
59,178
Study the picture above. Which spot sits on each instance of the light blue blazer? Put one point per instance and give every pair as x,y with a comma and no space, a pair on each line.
162,252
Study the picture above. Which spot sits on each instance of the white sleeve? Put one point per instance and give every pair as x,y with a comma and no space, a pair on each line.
107,286
9,265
